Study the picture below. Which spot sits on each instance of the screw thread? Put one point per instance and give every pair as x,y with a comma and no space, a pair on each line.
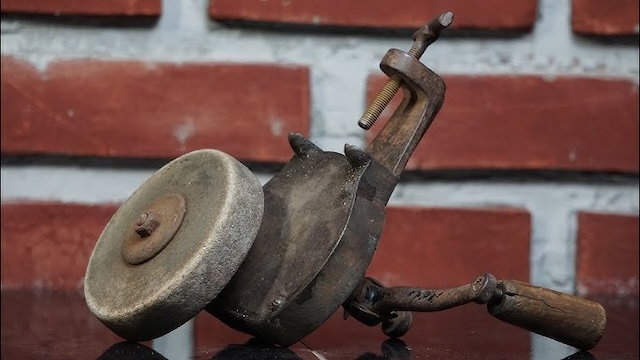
421,41
416,51
380,102
386,94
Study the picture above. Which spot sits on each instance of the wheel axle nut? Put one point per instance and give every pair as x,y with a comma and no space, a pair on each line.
146,224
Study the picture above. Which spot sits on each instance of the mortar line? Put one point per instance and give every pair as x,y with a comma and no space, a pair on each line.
106,185
40,44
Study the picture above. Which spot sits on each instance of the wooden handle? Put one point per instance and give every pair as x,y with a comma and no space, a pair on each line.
571,320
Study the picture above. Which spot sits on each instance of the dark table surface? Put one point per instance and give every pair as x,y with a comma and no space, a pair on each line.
58,325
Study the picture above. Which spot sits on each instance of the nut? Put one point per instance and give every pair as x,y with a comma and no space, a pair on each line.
146,224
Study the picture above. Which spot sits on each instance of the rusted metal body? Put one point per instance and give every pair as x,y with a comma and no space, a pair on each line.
278,261
306,260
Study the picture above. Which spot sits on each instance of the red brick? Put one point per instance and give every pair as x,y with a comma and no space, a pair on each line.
527,122
597,17
84,7
440,247
51,325
47,245
137,109
607,255
470,14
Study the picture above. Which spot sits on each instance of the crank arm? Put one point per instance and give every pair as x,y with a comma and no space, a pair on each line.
571,320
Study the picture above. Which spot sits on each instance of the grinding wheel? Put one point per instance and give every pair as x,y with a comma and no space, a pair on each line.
173,245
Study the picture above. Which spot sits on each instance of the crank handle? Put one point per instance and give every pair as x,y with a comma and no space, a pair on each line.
571,320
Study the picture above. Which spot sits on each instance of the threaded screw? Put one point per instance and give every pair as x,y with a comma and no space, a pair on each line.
422,39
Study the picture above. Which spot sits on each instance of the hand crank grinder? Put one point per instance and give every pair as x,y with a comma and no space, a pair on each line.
277,261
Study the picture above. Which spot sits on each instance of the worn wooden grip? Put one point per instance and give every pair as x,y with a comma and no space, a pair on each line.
571,320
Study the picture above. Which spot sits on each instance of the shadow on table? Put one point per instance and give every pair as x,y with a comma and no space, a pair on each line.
58,325
581,355
391,349
252,349
130,351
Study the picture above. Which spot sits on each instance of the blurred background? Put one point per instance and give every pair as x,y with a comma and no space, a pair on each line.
530,170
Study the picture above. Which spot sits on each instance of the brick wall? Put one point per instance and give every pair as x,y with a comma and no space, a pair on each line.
530,170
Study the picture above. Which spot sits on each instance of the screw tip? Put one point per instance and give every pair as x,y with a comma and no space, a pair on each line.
446,19
365,123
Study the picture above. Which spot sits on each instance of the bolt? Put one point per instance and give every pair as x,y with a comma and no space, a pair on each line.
146,224
277,303
142,218
397,323
484,289
424,37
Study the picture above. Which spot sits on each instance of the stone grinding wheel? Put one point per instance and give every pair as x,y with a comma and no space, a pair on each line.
173,245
